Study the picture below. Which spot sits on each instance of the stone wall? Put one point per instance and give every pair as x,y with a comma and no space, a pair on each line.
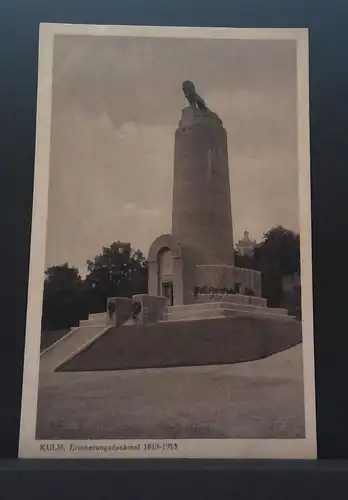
225,277
233,299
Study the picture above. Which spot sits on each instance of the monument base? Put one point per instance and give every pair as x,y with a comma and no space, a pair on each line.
215,309
156,310
214,341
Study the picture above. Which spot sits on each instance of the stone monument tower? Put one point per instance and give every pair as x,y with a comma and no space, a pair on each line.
191,272
201,217
197,259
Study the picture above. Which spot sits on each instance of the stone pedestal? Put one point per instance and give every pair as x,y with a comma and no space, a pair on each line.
121,310
151,308
118,310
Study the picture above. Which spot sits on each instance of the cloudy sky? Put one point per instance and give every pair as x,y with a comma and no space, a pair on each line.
116,102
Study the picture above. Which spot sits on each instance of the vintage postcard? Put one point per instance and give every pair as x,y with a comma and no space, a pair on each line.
170,308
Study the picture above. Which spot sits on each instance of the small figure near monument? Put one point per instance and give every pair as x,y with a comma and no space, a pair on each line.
191,95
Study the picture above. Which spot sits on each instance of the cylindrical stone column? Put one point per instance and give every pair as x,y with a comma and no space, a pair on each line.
202,219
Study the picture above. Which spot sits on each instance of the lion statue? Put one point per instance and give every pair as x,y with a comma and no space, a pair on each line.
191,95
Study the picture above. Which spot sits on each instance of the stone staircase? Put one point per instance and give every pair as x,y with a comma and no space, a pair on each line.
212,310
70,345
101,319
75,341
96,319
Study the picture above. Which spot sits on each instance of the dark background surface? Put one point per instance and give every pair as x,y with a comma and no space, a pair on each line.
328,23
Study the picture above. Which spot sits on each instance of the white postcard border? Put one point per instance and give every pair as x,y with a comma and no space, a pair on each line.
29,447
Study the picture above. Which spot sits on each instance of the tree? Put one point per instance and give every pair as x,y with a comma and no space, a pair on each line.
64,300
244,261
118,270
281,249
62,278
277,256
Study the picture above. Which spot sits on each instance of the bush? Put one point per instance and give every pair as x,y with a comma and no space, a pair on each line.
63,309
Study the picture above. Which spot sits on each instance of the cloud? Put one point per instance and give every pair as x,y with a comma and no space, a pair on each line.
116,105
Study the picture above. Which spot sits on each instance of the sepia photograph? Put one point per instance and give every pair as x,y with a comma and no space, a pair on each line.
170,310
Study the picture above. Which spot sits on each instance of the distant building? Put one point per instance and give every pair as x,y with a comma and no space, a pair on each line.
246,246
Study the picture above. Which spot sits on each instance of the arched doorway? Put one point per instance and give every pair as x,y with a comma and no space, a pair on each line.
165,275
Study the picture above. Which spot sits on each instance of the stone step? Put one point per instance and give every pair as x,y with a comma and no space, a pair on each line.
216,306
129,322
200,306
234,299
93,322
193,318
221,313
97,315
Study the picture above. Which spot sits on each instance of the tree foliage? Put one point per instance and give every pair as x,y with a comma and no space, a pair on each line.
62,279
244,261
64,300
280,250
118,271
277,256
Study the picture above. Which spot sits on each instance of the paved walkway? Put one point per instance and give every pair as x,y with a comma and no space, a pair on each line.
259,399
